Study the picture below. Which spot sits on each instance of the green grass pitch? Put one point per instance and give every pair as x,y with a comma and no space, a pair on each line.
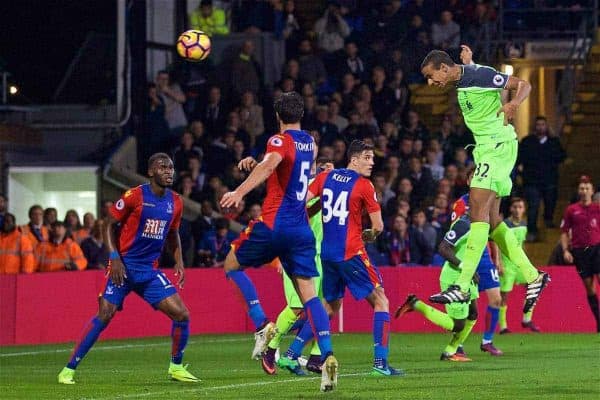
534,366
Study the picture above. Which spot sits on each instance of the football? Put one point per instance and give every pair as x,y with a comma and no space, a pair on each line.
193,45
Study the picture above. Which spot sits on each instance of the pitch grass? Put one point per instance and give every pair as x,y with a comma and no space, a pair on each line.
534,367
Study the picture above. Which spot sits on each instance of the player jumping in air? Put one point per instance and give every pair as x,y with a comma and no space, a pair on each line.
344,195
148,216
509,273
282,230
495,155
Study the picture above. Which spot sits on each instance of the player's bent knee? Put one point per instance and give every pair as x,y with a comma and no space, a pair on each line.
107,311
231,263
459,325
181,315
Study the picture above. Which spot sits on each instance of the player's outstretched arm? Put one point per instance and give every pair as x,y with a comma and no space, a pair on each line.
174,245
446,250
117,269
522,88
258,175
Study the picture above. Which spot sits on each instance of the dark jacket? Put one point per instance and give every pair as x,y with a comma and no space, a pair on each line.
540,160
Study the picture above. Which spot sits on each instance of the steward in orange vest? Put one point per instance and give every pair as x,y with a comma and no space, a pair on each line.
16,250
60,253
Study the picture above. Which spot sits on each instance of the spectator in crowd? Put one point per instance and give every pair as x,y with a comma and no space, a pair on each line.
3,202
401,96
209,19
198,177
429,234
415,129
445,34
213,113
60,253
50,215
291,71
186,187
74,227
173,98
312,69
421,179
352,63
158,128
251,117
461,158
406,244
437,171
215,244
245,72
201,138
88,224
395,61
382,190
334,116
383,101
254,211
540,154
439,214
328,132
35,230
16,249
424,8
331,29
94,249
415,28
184,151
290,27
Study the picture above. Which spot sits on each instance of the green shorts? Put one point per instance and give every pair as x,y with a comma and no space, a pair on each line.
448,277
494,163
292,298
512,274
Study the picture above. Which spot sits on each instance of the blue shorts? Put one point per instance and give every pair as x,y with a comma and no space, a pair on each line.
295,246
153,290
488,276
358,274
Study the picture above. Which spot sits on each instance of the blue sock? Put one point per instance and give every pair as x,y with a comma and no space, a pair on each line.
319,321
179,336
491,321
246,287
304,336
90,334
381,335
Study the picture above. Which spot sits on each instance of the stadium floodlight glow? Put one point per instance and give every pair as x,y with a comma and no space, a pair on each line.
13,89
508,69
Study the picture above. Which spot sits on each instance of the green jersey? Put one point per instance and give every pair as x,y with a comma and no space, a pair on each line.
479,91
520,231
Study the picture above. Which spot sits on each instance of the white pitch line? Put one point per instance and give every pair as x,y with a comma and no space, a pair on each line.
224,387
121,346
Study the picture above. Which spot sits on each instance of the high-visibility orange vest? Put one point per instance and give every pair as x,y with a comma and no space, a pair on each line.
16,253
27,230
80,235
53,257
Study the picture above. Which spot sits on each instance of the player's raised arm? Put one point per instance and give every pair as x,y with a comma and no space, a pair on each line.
522,88
259,174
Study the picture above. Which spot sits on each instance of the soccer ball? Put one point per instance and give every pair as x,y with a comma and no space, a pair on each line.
193,45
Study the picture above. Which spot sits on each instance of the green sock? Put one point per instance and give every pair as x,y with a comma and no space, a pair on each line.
527,316
460,337
315,350
505,238
476,242
502,318
285,321
434,315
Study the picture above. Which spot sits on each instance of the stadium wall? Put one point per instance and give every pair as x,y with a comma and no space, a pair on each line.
53,307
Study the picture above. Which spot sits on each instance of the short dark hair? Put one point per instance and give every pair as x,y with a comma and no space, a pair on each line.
437,58
290,107
323,160
516,200
540,118
222,223
57,223
157,156
357,147
33,208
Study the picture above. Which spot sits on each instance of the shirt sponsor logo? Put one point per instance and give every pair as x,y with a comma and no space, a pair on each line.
154,229
305,146
148,205
341,178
